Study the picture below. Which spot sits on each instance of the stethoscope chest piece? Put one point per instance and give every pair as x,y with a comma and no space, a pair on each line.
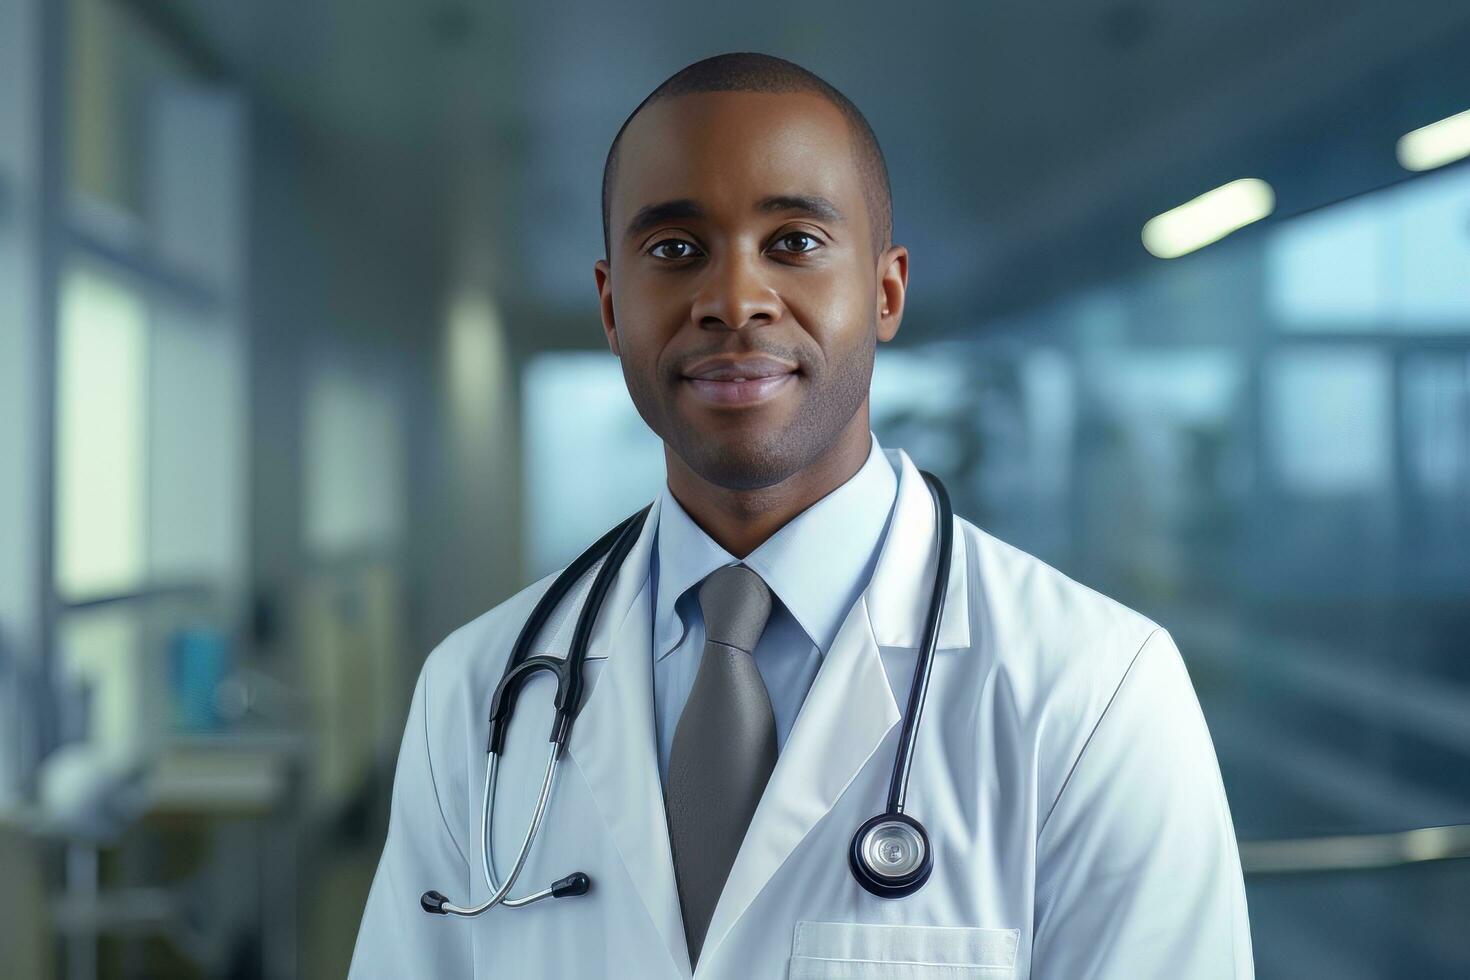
890,855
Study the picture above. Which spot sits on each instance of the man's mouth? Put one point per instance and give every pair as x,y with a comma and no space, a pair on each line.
729,380
740,391
732,368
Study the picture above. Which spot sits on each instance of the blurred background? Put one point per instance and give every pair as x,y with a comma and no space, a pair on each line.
301,368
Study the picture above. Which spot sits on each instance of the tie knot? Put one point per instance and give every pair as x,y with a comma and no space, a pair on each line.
736,603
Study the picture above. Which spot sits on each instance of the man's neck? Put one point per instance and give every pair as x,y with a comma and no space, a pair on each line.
740,520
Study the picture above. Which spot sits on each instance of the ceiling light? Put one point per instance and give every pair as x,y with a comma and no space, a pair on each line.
1436,144
1208,218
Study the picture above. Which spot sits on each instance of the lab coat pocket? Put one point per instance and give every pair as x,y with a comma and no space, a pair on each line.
868,951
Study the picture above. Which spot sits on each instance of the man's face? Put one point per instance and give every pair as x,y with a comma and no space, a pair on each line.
734,282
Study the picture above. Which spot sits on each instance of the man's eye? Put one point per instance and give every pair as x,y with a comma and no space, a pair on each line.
673,243
799,236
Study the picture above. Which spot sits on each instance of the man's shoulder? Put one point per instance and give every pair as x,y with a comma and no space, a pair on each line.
1039,600
1062,645
1062,651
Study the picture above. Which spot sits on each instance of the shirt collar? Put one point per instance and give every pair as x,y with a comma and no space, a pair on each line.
817,564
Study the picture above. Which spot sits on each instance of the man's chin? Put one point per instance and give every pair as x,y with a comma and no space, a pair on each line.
737,461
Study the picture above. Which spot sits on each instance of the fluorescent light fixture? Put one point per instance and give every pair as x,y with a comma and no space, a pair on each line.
1436,144
1208,218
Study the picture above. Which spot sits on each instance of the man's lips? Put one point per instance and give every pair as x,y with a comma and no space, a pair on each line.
747,392
729,379
729,368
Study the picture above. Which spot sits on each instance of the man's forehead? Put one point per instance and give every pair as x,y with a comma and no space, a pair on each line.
735,149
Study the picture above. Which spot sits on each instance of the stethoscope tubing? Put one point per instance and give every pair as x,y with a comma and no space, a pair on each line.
616,544
898,784
568,672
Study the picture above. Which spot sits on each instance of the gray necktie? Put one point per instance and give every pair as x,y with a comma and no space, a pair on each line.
724,746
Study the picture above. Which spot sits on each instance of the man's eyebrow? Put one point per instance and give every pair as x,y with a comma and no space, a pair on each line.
809,204
651,215
656,214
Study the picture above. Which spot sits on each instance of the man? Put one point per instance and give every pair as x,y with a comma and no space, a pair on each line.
754,657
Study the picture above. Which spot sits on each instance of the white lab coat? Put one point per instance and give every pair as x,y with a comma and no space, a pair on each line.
1063,770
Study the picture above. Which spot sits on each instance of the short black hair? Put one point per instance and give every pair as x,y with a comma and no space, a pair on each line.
750,71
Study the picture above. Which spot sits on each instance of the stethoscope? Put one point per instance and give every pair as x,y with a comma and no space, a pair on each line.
890,854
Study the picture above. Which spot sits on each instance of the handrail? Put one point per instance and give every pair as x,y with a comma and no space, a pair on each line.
1355,852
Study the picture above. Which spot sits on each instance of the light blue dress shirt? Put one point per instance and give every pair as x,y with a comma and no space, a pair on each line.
816,566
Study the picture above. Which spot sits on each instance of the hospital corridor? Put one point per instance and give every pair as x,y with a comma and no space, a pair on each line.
301,371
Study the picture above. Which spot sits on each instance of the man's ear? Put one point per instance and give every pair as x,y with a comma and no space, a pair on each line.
893,280
603,273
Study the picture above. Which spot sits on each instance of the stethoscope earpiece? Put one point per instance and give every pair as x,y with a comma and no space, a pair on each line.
890,855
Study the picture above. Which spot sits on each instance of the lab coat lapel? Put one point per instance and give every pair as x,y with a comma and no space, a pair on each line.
850,707
613,744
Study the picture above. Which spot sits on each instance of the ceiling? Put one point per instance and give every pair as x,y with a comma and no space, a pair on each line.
1026,142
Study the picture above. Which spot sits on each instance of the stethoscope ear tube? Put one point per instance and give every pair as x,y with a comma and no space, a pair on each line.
569,699
616,543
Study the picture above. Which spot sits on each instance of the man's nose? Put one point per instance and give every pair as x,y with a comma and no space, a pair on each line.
735,291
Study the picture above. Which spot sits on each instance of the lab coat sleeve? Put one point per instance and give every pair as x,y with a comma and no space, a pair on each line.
397,938
1137,871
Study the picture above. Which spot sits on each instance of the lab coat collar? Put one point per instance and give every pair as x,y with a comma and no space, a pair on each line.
846,715
904,577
